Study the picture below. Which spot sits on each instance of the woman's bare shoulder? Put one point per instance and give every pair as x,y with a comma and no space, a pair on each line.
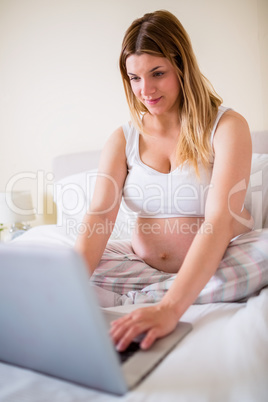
116,140
114,149
231,118
232,127
117,136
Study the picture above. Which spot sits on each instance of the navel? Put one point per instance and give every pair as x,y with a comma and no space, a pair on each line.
163,256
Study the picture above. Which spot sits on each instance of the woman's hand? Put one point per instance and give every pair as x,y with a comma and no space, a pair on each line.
155,321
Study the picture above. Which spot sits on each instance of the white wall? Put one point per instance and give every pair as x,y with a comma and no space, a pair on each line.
60,86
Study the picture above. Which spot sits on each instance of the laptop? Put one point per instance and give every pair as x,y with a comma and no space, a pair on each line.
50,322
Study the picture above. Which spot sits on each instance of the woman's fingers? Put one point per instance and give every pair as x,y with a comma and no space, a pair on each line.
119,327
156,322
149,339
123,332
127,338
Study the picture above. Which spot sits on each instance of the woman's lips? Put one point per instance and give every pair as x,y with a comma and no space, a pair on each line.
153,101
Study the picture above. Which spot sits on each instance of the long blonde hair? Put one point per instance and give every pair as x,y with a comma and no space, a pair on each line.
161,34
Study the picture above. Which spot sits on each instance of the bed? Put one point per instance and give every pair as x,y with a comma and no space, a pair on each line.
224,358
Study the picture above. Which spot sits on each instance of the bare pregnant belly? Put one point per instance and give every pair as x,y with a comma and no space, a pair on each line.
163,243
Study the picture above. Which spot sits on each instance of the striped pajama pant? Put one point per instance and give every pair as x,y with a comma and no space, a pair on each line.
122,277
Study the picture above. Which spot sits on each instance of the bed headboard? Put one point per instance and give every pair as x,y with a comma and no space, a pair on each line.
260,142
66,165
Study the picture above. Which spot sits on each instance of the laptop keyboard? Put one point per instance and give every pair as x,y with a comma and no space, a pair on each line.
126,354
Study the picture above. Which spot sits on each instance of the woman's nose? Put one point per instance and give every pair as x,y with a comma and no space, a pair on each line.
147,88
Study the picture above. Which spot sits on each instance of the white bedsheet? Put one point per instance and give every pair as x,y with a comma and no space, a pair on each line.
224,358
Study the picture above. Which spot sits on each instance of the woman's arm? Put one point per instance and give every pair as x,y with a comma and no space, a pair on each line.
99,220
224,219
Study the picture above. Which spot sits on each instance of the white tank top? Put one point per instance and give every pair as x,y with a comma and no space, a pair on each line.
152,194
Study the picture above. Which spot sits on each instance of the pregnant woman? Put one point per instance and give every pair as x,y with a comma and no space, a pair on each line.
182,164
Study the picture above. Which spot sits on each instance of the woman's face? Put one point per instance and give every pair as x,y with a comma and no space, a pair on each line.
154,82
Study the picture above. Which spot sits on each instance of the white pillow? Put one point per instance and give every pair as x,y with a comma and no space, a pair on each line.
257,195
73,195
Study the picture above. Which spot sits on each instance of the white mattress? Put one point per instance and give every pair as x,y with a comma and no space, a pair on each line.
224,358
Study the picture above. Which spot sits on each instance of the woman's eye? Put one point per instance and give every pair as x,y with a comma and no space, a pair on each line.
134,78
158,74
